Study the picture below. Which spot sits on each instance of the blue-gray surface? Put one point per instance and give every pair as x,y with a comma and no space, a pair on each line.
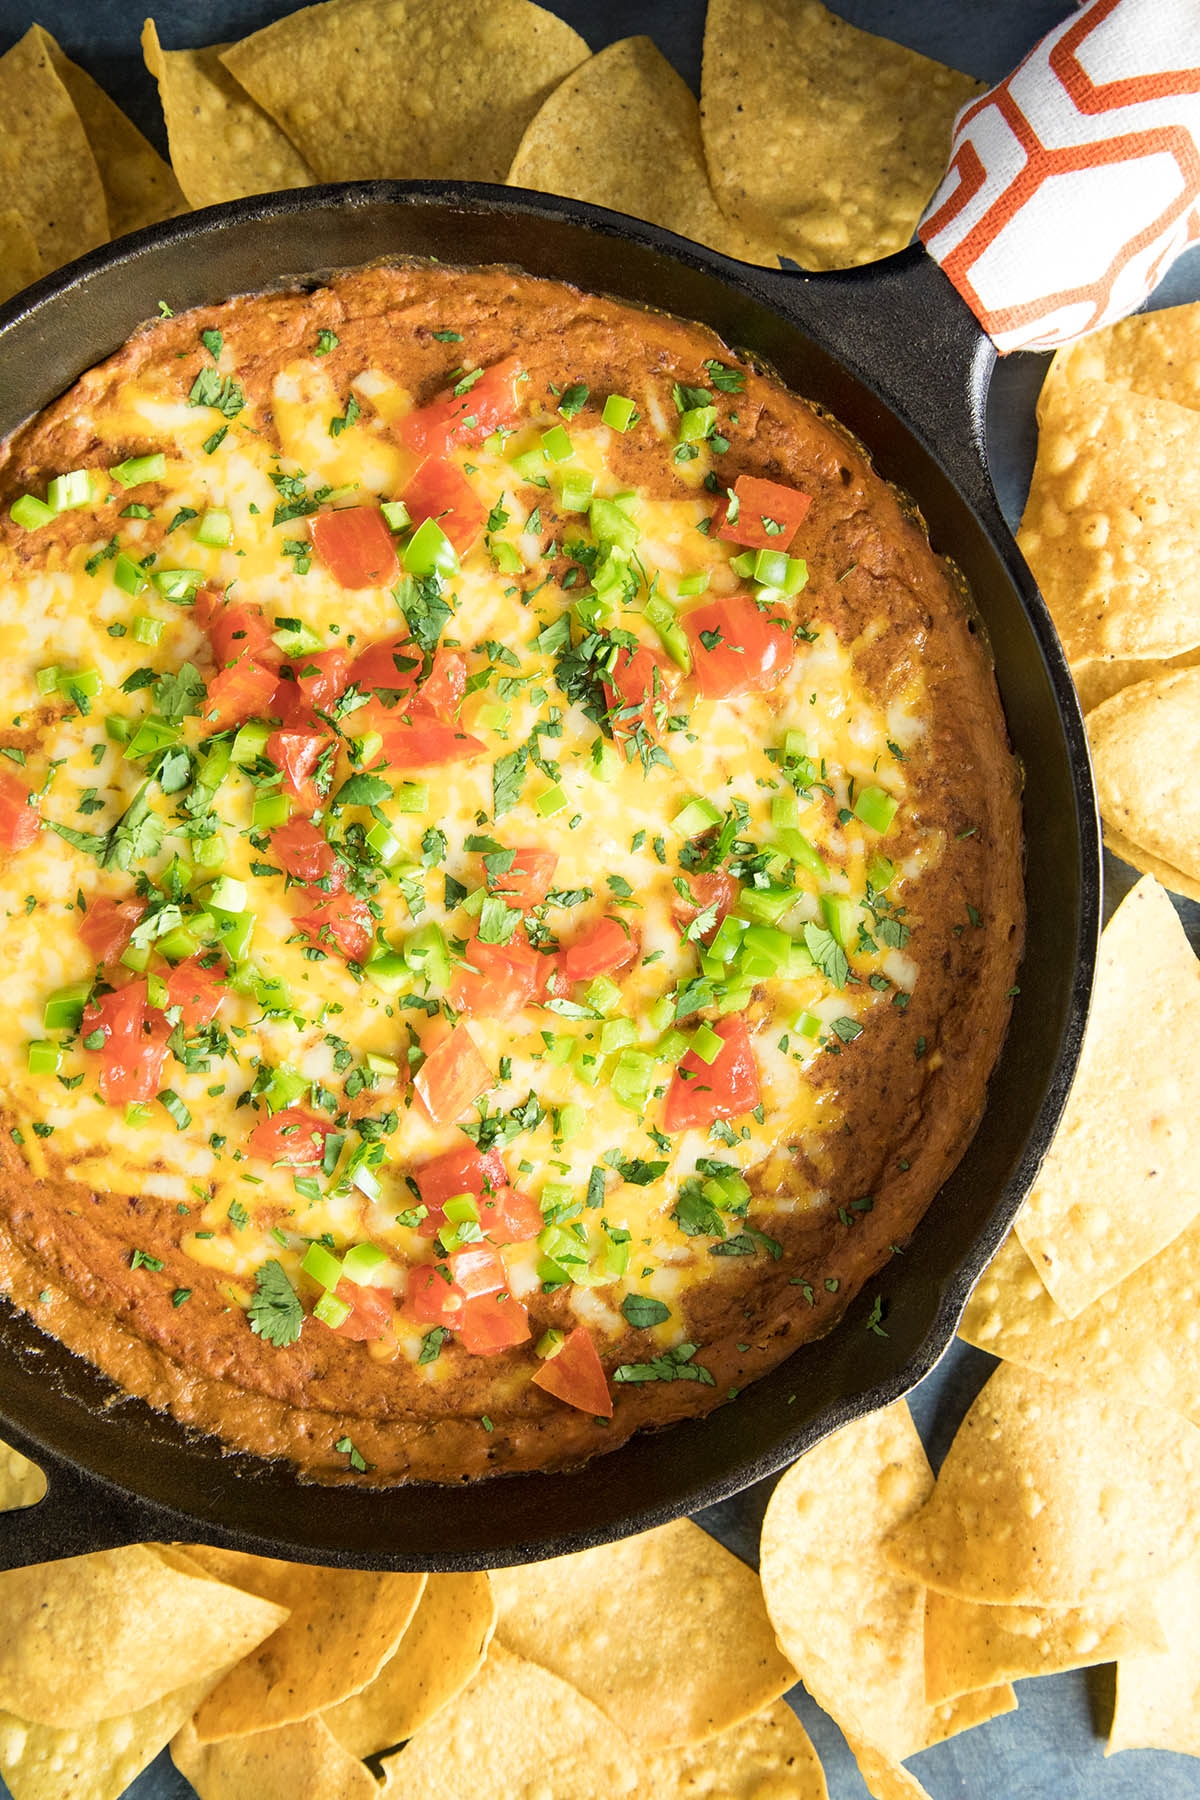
1052,1748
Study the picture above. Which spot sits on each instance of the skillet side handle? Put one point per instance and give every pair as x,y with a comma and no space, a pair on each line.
903,328
77,1514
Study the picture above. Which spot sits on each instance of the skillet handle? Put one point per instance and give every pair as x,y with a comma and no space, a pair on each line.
79,1513
901,326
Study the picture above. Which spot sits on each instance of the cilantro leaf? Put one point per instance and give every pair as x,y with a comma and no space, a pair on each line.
827,953
642,1312
275,1311
223,395
673,1365
508,778
497,921
361,790
574,399
180,696
729,381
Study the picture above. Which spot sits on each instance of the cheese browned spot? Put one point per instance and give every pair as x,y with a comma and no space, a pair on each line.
860,811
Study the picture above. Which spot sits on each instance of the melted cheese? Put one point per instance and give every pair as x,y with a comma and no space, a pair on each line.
613,841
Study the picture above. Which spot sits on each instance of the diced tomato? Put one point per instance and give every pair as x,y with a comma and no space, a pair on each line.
371,1312
310,682
197,991
716,888
293,1136
753,651
133,1054
356,546
393,663
236,694
442,692
106,927
492,1323
306,854
639,692
416,740
340,922
576,1375
452,1076
760,501
498,979
237,633
464,418
529,880
723,1089
297,752
460,1171
20,820
474,1272
510,1216
604,947
439,490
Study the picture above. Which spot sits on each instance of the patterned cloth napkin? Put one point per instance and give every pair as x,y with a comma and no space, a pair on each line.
1075,183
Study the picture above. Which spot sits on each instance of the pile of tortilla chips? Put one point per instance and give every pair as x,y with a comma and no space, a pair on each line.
1064,1528
74,171
576,1679
1112,533
814,140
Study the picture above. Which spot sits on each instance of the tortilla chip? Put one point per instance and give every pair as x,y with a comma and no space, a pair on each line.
1119,1181
624,131
1156,354
47,170
21,1482
821,138
20,261
407,87
442,1650
223,146
1158,1697
1146,753
93,1636
852,1627
768,1755
1053,1494
343,1626
512,1725
1138,1342
968,1647
882,1775
1110,524
139,188
303,1761
1100,678
623,1622
99,1761
1145,864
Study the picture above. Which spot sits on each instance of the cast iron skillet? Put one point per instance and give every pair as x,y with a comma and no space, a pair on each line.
893,352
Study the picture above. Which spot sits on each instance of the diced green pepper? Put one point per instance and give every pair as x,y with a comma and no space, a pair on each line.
619,413
611,524
841,916
250,743
601,994
575,490
694,816
632,1078
767,905
876,808
82,487
43,1057
388,971
322,1266
706,1043
697,423
270,811
615,1034
63,1010
661,615
430,552
556,445
396,514
131,578
30,513
215,528
136,469
691,585
331,1311
550,801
